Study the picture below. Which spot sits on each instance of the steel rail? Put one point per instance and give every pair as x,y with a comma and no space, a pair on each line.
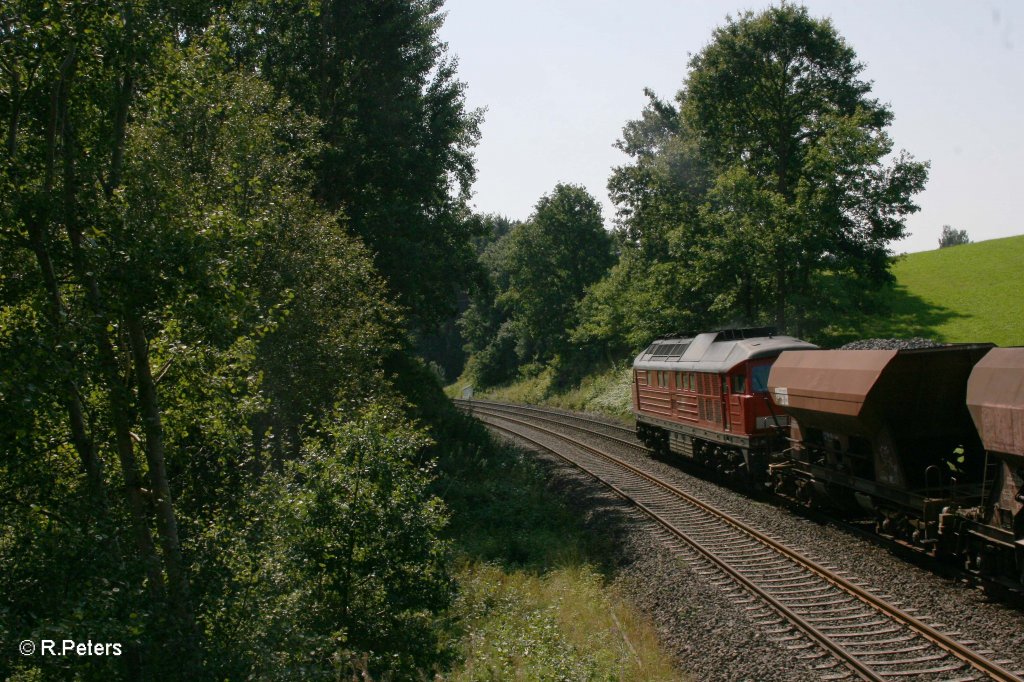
975,660
616,439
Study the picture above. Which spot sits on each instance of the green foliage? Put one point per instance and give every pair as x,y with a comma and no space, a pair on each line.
523,638
184,325
801,181
335,565
397,153
637,302
606,391
563,625
660,191
767,192
550,260
533,601
537,273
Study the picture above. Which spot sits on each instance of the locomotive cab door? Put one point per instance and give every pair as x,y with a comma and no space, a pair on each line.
725,402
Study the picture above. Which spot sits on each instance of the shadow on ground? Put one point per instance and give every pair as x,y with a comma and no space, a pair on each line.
508,509
895,313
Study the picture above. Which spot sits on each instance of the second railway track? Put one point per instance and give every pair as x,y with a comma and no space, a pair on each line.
845,631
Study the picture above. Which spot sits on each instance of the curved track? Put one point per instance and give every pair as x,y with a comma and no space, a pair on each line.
844,630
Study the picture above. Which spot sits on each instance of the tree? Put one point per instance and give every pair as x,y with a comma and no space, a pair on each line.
549,262
661,190
797,148
484,325
952,237
537,272
397,138
175,305
73,73
336,565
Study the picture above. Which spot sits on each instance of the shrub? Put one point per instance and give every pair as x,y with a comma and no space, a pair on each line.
337,566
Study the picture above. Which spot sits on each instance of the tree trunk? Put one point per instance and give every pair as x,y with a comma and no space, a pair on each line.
177,573
116,391
747,294
258,425
780,293
83,445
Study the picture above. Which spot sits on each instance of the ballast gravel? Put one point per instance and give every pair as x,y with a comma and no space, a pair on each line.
892,344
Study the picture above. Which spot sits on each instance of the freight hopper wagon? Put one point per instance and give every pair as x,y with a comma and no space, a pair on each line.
991,538
705,397
881,431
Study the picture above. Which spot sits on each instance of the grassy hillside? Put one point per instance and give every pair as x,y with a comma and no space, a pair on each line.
973,292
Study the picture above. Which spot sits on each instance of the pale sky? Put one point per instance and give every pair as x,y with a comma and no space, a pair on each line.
560,78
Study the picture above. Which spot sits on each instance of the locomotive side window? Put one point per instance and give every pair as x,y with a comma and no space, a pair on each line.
662,379
641,377
759,378
739,383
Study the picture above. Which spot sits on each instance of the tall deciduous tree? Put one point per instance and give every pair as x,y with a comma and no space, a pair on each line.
175,305
397,158
766,192
661,190
803,190
549,262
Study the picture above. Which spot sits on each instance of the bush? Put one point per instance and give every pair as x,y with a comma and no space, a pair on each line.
336,566
952,237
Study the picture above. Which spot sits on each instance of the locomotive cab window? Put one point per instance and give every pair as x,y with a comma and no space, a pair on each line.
739,383
759,378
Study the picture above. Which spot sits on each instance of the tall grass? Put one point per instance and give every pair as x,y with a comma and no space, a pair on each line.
606,392
535,599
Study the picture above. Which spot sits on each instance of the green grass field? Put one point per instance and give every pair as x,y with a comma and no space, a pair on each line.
973,292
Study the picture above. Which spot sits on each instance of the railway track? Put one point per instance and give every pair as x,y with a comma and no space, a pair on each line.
841,629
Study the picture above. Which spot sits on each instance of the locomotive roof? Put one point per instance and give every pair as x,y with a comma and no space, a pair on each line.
715,351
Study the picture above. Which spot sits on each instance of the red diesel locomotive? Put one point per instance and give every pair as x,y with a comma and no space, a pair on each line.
705,396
